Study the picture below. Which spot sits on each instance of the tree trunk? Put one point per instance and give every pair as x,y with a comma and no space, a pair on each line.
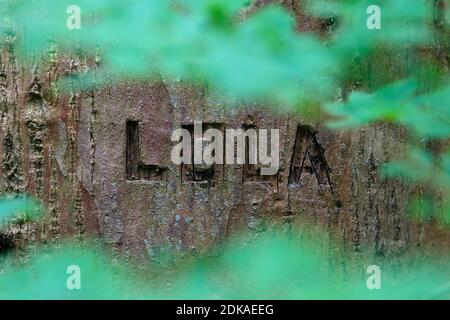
100,162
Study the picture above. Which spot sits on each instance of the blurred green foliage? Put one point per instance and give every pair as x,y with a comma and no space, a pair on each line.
426,115
273,266
404,84
202,40
259,57
19,209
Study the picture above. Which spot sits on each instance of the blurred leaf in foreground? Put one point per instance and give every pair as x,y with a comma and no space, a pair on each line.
20,207
259,57
271,266
427,115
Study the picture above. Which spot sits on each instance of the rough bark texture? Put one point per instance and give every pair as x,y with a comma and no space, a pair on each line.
100,161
